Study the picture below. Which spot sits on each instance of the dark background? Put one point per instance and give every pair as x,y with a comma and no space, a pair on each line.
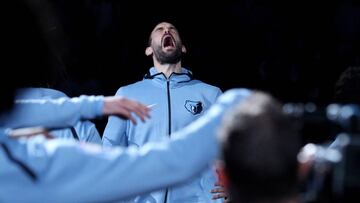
295,50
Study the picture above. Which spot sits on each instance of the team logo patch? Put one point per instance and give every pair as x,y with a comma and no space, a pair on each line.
194,107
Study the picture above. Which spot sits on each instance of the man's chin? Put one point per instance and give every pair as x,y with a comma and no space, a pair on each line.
168,57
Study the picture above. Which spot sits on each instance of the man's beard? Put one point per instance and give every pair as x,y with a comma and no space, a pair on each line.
167,58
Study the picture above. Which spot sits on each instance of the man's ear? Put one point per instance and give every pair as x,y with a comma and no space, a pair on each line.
183,49
148,51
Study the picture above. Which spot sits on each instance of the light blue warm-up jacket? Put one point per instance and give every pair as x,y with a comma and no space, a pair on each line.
175,103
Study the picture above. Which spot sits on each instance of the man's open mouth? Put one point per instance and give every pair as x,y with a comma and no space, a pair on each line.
168,41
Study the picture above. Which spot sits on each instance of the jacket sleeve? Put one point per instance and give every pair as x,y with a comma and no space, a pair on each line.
68,172
115,133
52,113
88,132
217,94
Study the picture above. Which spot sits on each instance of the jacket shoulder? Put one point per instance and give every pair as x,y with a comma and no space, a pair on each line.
133,87
211,88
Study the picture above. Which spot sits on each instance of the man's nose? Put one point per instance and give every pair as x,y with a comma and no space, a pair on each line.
166,30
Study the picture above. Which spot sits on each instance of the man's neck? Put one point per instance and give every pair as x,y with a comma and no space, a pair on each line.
167,69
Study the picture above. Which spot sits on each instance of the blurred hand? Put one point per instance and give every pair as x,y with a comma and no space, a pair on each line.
30,132
219,192
123,107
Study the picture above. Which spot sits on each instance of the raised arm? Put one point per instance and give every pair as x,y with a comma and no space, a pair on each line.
66,112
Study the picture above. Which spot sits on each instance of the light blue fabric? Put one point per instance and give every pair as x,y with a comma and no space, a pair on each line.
65,112
63,168
85,130
189,99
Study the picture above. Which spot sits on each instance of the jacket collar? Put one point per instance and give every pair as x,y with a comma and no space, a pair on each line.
175,78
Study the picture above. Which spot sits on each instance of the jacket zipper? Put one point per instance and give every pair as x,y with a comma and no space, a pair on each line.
169,124
169,106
